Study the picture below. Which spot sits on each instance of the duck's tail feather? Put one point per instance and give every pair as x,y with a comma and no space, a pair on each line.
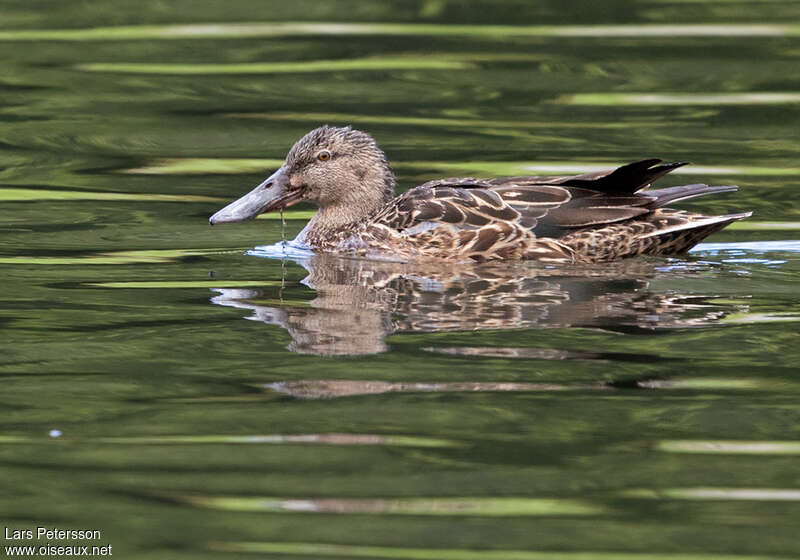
684,192
681,237
662,232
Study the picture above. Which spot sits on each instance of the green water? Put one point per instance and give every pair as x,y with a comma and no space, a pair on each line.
190,400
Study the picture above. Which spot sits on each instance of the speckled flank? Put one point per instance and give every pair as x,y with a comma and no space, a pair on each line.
643,237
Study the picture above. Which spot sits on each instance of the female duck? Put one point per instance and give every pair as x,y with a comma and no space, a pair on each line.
594,217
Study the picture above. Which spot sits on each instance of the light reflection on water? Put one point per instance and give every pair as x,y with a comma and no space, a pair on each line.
744,247
745,252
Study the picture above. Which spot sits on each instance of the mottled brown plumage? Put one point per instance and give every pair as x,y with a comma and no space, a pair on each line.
600,216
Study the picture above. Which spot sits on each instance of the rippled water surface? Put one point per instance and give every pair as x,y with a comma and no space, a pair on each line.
205,393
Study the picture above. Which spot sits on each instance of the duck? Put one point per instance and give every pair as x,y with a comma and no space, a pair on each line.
593,217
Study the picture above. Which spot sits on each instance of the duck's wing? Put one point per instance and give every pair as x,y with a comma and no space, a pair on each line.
597,198
551,206
478,216
470,203
468,220
609,197
539,203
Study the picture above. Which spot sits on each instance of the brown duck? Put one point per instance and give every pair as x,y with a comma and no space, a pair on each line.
595,217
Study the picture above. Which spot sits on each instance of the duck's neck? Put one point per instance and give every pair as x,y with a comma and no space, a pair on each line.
333,222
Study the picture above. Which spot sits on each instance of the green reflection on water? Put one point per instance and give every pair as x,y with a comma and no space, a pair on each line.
681,99
279,29
488,507
359,64
198,166
28,195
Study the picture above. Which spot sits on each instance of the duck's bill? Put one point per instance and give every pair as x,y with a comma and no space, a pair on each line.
272,194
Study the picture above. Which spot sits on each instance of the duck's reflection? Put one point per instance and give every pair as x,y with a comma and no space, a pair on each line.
359,302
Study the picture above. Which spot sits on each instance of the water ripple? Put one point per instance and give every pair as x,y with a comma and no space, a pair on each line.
286,29
471,506
743,247
730,447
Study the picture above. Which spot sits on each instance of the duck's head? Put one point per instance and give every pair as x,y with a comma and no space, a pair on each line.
341,170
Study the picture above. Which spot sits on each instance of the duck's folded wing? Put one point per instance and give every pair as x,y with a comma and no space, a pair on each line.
469,221
474,203
471,204
530,217
548,206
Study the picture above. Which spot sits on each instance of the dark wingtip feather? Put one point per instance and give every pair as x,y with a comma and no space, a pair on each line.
669,166
656,172
644,163
628,178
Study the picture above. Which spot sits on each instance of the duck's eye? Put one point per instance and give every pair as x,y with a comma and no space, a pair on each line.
324,155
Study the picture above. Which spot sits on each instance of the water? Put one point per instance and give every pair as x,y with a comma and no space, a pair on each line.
206,393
